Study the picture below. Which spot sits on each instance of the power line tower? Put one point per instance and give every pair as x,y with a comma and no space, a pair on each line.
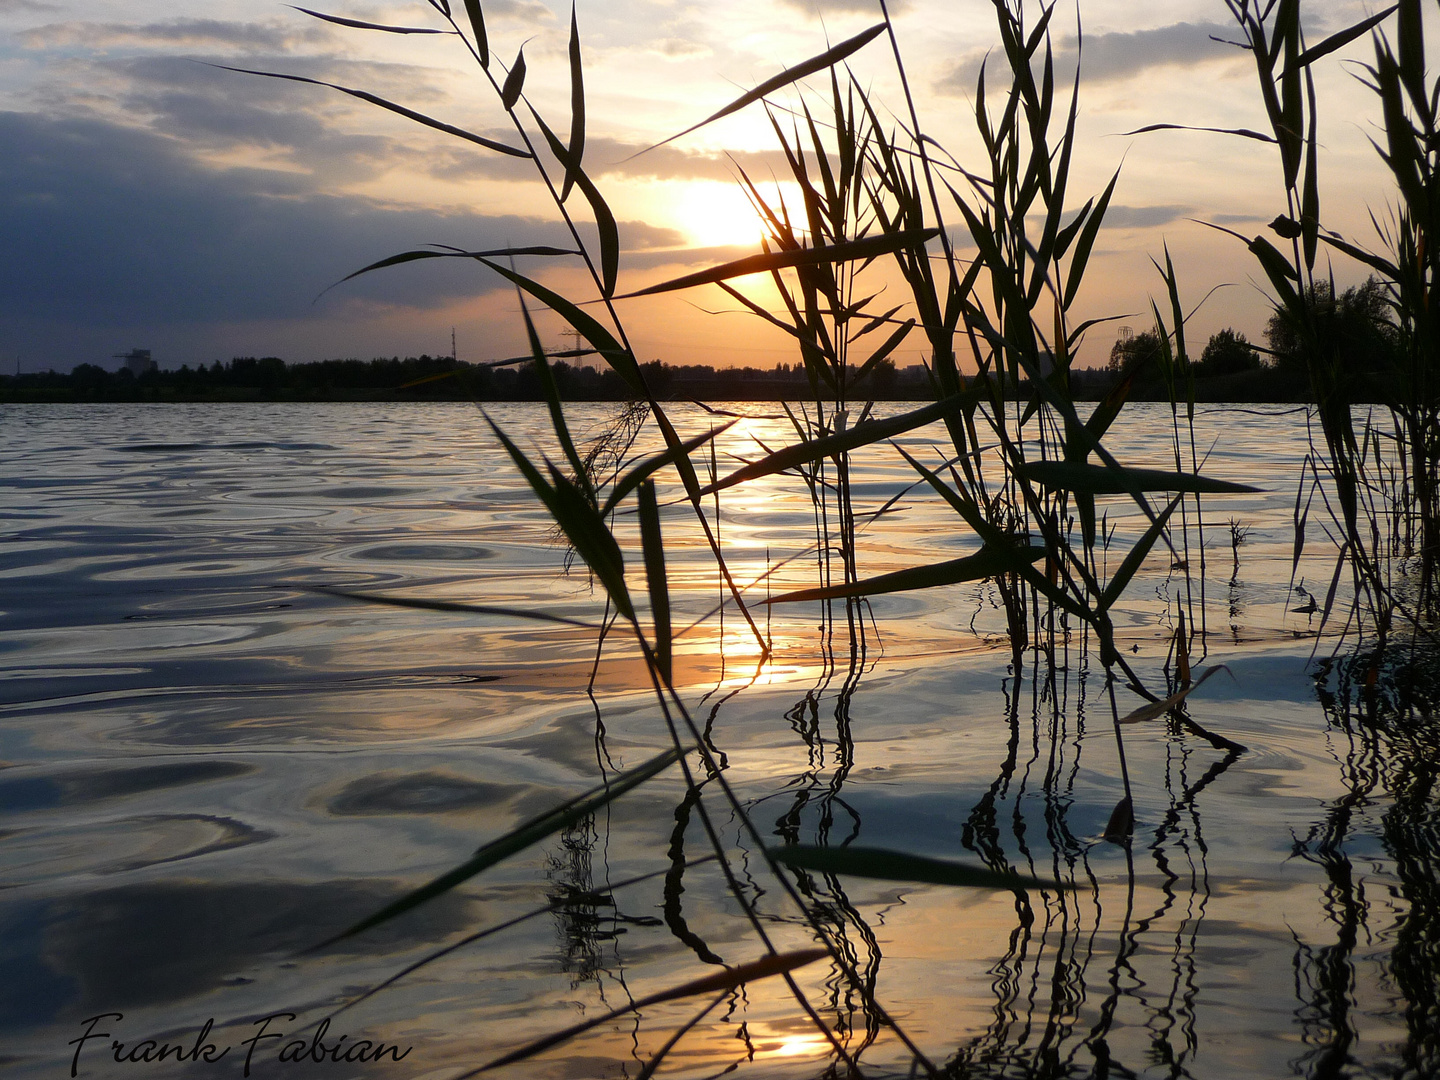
575,346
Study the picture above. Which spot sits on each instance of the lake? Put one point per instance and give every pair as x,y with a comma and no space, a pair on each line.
207,766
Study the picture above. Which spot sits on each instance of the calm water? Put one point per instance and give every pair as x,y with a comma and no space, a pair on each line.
206,766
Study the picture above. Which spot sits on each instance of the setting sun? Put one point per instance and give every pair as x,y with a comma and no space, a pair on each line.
716,214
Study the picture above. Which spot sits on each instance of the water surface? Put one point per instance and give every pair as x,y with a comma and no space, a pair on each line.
209,764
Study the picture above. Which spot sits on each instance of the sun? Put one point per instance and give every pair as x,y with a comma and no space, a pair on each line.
717,214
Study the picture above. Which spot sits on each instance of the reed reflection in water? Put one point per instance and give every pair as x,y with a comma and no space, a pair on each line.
202,750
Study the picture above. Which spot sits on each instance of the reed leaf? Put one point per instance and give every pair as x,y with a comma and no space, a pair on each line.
653,547
604,218
1135,557
995,540
861,435
477,27
890,345
647,468
1411,34
1086,243
770,261
1106,480
576,147
789,75
552,401
1121,823
579,520
1160,708
722,981
514,84
516,840
1244,133
422,604
615,354
1310,196
985,563
887,865
357,24
457,253
409,114
1341,38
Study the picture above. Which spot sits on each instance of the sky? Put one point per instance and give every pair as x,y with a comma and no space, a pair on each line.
151,199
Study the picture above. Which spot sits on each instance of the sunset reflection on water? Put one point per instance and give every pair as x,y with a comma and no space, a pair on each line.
202,752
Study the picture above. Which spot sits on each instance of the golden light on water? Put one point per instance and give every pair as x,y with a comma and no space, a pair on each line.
799,1046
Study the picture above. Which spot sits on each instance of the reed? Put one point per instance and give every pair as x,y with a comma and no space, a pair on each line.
1383,475
1022,471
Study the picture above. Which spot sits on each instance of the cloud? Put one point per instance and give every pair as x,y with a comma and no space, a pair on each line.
1112,56
113,226
821,8
179,33
1144,217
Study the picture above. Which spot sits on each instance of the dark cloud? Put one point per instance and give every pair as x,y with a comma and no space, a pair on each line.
1112,56
112,226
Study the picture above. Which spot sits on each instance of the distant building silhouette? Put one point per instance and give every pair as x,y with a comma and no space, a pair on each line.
138,362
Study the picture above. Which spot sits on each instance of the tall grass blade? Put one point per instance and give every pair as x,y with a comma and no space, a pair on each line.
789,75
552,401
1160,708
886,865
651,465
891,344
577,110
1106,480
516,840
409,114
728,979
1135,558
1342,38
653,547
865,434
579,520
1086,243
477,26
1310,198
1411,33
514,84
359,25
985,563
1121,823
769,261
412,256
1244,133
615,354
421,604
604,219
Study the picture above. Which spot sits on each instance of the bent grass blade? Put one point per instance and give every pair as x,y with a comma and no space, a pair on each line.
421,604
723,981
985,563
517,840
784,78
767,262
409,114
886,865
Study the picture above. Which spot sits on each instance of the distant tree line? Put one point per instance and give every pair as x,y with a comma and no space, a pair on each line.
425,378
1356,326
1358,332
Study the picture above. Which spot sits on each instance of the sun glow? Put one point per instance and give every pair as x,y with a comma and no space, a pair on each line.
714,214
